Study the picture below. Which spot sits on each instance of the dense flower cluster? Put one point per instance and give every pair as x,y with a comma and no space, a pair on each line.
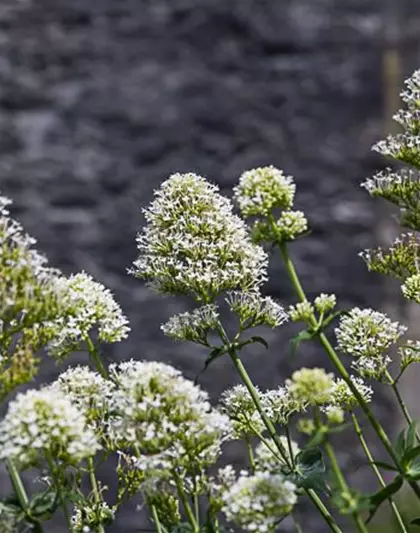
194,244
281,404
409,353
194,326
240,408
253,309
268,459
325,303
263,189
45,423
301,312
256,503
311,385
343,397
411,288
90,306
165,416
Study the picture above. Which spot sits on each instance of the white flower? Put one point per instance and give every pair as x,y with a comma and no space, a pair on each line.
165,416
411,288
269,459
238,404
373,368
254,310
367,333
343,397
311,385
291,224
194,244
256,503
301,312
263,189
90,306
280,405
325,302
45,423
194,326
86,389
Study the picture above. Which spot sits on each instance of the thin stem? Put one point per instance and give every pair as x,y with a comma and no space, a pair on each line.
375,469
272,431
343,484
289,444
93,352
56,481
95,490
400,400
156,520
343,372
188,511
296,523
251,456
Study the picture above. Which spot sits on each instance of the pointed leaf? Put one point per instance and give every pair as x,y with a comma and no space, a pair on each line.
379,497
311,471
214,354
410,454
415,521
411,440
302,336
327,321
260,340
413,472
400,444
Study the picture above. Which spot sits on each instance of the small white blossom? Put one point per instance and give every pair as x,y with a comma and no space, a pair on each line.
269,459
291,224
373,368
343,397
194,244
367,333
335,415
194,326
253,309
280,405
301,312
311,385
263,189
238,404
45,422
90,305
411,288
165,415
325,302
256,503
410,353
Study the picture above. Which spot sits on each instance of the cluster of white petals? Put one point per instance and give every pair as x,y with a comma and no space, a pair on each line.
90,307
253,309
311,385
194,244
256,503
269,459
193,326
343,397
261,190
163,415
45,423
281,404
239,406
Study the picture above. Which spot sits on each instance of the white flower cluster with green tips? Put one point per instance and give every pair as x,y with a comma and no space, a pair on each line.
90,306
268,457
367,335
194,244
45,425
257,502
254,310
311,385
194,326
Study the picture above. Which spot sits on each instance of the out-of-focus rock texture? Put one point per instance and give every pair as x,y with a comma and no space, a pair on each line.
101,100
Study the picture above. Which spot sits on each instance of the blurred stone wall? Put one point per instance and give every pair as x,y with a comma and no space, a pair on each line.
102,100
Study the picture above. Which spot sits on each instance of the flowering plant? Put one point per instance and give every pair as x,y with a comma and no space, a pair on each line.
167,437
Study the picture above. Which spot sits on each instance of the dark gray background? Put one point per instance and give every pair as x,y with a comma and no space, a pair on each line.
101,100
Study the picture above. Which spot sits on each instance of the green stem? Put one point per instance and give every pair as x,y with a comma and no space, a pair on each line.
251,456
400,401
273,434
95,490
343,372
56,481
156,520
17,484
188,511
296,523
375,469
93,352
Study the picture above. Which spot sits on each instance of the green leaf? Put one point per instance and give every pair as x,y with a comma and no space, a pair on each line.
260,340
310,470
400,444
410,454
385,466
411,439
43,505
327,321
214,354
302,336
379,497
413,472
415,521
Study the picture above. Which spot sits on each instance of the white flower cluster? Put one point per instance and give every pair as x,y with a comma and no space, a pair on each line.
301,312
263,189
45,423
343,397
194,244
240,408
254,310
194,326
411,95
325,303
256,503
87,518
90,306
268,458
290,225
411,288
88,390
403,146
367,335
409,353
281,404
313,386
165,416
